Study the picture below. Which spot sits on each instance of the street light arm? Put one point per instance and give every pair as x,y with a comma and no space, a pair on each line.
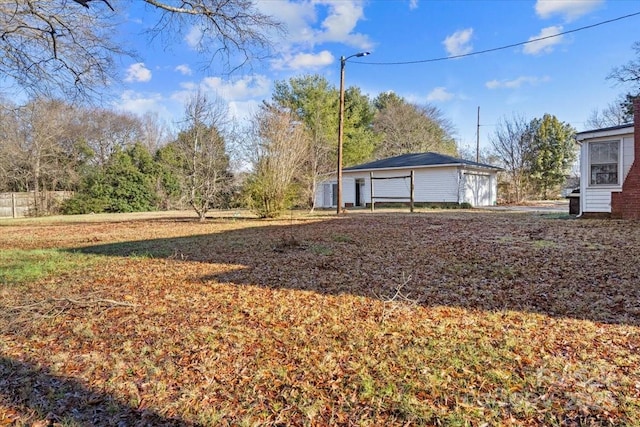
355,55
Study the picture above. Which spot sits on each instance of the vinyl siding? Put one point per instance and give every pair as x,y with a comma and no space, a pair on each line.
598,199
432,185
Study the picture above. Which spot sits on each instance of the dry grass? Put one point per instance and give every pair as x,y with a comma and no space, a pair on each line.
442,318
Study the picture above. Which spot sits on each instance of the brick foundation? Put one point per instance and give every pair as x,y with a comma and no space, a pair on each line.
626,204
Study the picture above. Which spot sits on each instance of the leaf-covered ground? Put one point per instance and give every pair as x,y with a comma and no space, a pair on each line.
442,318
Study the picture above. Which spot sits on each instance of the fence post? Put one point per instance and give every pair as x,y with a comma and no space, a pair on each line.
14,212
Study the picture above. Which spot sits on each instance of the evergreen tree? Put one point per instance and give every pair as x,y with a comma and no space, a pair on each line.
316,103
553,152
126,184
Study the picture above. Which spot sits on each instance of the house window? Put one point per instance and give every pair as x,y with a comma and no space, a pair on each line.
603,162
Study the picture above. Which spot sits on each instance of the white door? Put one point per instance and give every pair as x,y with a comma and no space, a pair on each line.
477,189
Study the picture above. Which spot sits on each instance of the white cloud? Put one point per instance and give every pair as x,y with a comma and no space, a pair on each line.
569,9
304,27
139,104
439,94
516,83
413,4
241,97
296,16
245,88
194,37
458,43
184,69
342,18
546,45
138,73
304,61
243,110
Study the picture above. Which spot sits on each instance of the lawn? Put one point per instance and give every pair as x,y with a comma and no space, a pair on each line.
435,318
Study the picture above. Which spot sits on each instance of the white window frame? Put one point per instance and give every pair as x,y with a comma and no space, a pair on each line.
619,164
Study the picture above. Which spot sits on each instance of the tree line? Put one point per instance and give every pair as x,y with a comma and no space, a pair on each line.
537,156
58,52
119,162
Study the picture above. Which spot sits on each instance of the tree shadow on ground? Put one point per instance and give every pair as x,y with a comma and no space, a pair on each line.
30,395
580,269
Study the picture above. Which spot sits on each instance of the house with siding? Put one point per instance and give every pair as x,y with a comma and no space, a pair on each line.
437,178
610,176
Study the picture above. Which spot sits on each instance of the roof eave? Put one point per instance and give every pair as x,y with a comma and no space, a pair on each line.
604,133
423,166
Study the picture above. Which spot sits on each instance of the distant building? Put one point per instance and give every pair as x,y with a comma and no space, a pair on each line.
437,179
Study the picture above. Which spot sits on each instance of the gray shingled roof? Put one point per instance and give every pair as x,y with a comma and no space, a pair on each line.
416,160
610,128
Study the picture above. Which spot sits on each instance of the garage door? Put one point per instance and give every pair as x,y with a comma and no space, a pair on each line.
477,189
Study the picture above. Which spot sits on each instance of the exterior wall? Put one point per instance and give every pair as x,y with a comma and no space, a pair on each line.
437,185
627,155
432,185
626,204
348,190
597,199
324,193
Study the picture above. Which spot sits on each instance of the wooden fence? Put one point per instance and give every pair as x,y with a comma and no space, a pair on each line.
17,205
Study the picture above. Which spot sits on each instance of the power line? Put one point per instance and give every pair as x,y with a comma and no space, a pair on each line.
444,58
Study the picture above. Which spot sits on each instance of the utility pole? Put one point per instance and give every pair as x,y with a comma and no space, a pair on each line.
343,62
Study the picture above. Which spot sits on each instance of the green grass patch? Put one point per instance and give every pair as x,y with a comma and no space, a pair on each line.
321,250
23,266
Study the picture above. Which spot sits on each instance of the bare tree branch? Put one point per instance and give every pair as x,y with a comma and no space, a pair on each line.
48,47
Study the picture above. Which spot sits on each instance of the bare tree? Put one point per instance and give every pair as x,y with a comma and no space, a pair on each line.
33,137
280,148
203,163
512,143
225,27
628,75
105,131
614,114
10,159
58,47
408,128
155,132
50,47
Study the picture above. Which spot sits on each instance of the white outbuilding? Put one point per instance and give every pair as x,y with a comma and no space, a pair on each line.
437,178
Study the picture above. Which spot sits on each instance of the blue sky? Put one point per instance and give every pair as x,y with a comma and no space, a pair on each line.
564,76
